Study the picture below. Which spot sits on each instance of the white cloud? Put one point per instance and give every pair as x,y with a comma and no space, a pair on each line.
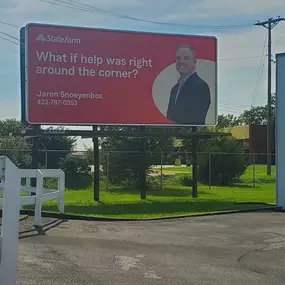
33,6
236,77
222,9
9,109
241,7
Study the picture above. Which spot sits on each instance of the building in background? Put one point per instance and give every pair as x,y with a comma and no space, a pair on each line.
254,138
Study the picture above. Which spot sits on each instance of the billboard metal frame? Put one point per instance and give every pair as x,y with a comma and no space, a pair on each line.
25,76
279,133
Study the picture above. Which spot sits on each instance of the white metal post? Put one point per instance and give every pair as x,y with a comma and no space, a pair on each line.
10,222
38,205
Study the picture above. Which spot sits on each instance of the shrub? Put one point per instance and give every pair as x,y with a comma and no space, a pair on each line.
226,161
123,162
185,180
77,172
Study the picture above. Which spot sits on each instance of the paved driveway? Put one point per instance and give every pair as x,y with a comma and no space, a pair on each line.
229,249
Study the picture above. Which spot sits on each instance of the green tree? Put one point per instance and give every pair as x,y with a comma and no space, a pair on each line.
187,142
89,155
18,149
227,161
54,149
124,162
77,172
9,126
254,116
258,115
228,120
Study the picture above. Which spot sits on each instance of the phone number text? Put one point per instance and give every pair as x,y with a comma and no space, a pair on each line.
56,102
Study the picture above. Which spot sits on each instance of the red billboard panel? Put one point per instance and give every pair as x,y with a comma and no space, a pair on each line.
84,76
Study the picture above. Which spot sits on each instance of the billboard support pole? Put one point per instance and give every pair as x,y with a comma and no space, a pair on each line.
142,172
280,134
35,153
194,165
96,166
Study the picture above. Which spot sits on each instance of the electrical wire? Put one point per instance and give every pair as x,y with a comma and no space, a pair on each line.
224,59
8,24
12,37
236,58
234,104
232,107
260,73
92,9
8,40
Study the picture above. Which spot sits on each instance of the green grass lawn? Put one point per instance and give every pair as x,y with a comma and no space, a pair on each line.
173,199
260,171
159,203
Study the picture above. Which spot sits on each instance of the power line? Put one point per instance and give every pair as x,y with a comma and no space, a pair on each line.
224,59
269,25
280,32
92,9
8,24
5,34
234,104
260,72
258,84
8,40
237,58
239,109
67,6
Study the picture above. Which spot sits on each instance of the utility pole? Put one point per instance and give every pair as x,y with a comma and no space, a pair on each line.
269,25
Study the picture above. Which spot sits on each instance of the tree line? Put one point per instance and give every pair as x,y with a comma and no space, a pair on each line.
254,116
124,164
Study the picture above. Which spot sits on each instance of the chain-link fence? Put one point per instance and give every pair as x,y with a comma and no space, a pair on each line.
117,167
244,168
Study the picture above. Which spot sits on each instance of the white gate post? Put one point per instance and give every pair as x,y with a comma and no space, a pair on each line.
10,221
38,204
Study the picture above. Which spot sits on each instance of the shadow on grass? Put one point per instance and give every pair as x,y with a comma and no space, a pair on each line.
243,186
166,192
152,209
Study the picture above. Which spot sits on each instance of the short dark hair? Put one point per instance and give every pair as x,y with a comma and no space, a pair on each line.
191,49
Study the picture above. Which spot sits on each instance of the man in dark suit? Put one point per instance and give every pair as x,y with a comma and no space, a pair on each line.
190,98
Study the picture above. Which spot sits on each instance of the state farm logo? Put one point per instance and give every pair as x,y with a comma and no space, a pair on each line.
40,38
57,39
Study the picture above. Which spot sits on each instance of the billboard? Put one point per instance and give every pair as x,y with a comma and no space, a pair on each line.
86,76
280,129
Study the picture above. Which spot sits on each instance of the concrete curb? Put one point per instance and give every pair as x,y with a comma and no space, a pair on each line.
105,219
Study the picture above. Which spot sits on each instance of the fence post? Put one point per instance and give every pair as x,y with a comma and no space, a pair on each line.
96,178
39,191
142,166
107,171
10,221
210,171
253,169
161,173
46,151
194,164
61,188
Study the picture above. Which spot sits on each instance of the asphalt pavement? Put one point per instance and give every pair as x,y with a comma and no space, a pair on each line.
240,249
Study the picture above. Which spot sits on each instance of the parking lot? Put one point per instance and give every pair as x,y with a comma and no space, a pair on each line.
239,249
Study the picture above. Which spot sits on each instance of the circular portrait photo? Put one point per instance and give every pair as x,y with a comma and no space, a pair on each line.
185,91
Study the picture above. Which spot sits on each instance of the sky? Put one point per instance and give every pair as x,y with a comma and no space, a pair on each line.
242,47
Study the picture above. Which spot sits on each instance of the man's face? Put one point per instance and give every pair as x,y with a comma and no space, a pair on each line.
184,61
